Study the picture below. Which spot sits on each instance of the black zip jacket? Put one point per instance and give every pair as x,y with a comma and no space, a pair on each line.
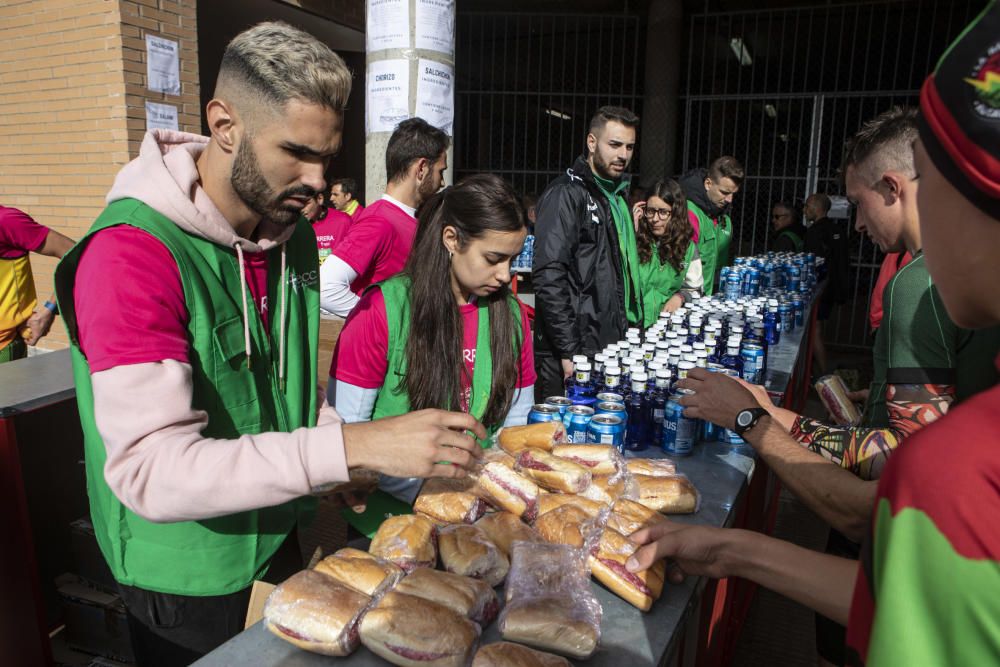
577,270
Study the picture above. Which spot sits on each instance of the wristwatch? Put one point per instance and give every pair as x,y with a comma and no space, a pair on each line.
747,419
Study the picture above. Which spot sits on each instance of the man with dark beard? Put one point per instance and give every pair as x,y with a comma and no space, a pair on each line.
192,307
586,266
378,242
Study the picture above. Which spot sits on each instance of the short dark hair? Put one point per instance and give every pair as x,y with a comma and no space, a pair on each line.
823,200
347,185
620,114
889,137
413,139
727,167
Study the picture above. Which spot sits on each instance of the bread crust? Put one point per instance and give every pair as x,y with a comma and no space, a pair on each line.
607,563
401,627
552,472
450,506
563,525
315,613
628,516
513,439
508,654
670,495
466,550
407,540
551,501
510,491
598,459
652,467
504,528
550,624
360,571
473,598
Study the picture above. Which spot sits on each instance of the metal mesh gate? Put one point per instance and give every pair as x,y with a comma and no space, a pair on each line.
529,83
783,89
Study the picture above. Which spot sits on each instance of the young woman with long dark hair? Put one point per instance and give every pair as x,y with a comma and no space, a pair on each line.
446,332
669,266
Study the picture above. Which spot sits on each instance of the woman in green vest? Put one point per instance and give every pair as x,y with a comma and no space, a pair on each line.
446,332
669,266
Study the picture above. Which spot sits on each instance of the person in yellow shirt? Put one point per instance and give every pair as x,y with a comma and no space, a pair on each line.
21,322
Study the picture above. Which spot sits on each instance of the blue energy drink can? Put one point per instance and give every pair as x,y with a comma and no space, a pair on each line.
540,412
679,432
577,419
606,430
560,402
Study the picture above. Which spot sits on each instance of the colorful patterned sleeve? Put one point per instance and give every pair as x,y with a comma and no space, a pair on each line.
864,451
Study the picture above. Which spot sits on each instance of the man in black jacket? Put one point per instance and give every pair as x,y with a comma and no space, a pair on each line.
585,269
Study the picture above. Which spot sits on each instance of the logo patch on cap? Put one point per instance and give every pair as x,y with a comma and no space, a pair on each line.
986,80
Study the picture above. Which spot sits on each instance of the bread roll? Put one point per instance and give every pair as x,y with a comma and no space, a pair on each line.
360,570
652,467
473,598
449,506
509,490
507,654
607,564
513,439
628,516
607,489
598,459
552,472
407,540
504,528
466,550
316,613
563,525
552,624
670,495
551,501
414,632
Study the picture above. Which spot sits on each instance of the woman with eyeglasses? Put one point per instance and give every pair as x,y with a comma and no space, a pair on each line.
445,333
669,266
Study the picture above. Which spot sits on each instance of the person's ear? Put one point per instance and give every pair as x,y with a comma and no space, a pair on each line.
591,143
222,124
708,184
891,186
421,167
449,237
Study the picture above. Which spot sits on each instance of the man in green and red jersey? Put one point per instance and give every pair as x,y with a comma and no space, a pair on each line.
928,589
710,195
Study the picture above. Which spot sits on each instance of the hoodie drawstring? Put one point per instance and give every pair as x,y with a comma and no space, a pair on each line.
243,291
282,323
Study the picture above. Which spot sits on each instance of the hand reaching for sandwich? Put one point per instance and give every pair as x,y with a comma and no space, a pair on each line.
428,443
692,550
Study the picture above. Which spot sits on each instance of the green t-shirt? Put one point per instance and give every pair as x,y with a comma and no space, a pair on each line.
919,344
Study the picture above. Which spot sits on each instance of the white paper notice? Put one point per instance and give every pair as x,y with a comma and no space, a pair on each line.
161,116
163,70
435,94
388,94
388,24
436,25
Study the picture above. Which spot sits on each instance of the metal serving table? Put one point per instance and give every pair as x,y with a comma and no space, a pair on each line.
726,476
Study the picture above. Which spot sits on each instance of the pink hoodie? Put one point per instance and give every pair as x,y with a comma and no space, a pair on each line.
159,465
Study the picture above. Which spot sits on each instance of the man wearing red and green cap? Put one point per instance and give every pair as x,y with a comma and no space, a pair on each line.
927,589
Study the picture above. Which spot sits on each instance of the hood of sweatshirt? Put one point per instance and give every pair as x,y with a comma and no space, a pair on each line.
165,177
693,184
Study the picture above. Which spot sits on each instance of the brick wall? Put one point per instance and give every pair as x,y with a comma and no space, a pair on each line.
72,105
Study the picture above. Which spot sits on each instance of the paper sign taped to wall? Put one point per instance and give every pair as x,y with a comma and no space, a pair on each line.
161,116
436,94
163,69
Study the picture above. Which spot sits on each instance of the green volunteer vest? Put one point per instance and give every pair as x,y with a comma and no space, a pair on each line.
660,281
713,245
797,240
393,400
225,554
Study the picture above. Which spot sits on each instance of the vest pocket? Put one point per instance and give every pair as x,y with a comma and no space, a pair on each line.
233,378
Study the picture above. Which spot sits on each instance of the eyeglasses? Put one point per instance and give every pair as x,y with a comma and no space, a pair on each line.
662,213
780,215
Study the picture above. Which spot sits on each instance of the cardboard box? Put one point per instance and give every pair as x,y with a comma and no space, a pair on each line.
95,620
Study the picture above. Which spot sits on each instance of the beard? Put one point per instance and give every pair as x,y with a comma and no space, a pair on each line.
603,168
253,189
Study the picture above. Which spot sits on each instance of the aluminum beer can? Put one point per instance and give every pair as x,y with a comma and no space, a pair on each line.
540,412
787,316
610,408
577,419
753,363
560,402
734,285
679,432
610,397
606,430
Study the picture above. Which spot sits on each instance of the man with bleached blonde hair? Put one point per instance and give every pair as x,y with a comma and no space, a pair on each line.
192,307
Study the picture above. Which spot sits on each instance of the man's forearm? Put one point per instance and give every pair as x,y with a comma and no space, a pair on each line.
819,581
836,495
